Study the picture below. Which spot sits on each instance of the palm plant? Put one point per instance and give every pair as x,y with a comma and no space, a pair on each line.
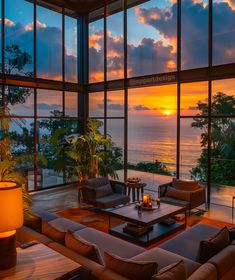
8,165
87,154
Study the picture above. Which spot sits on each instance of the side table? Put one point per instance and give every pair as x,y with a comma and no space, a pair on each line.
135,188
41,262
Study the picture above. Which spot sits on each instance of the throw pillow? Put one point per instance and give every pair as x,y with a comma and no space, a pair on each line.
185,185
209,248
53,232
178,194
132,270
83,247
232,233
176,271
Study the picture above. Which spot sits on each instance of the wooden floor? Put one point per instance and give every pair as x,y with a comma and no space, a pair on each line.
61,198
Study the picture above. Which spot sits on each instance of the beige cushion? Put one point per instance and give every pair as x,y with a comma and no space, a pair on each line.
178,194
185,185
52,232
132,270
209,248
206,271
175,271
83,247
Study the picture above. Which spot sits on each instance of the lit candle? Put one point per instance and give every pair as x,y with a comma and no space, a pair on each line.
145,199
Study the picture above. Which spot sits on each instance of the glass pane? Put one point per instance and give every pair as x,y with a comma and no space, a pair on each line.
115,103
19,38
71,50
152,38
152,134
49,44
223,32
115,128
22,147
222,160
19,100
194,28
223,97
96,104
71,104
49,103
194,99
115,47
45,129
96,51
193,148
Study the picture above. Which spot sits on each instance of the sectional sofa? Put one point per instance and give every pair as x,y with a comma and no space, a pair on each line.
182,247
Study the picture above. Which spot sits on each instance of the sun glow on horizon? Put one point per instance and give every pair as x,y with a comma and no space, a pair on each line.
167,113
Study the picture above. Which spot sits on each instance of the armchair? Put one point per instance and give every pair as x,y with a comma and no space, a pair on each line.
104,193
183,192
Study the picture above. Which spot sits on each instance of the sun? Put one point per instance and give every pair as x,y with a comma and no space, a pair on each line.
167,113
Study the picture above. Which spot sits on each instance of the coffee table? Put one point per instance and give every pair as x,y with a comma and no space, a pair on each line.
148,218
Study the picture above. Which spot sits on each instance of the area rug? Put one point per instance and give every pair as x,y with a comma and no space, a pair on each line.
100,221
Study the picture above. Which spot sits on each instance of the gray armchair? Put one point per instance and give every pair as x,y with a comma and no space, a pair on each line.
183,192
104,193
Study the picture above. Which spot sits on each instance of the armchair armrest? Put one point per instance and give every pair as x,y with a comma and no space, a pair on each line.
89,194
118,186
162,189
198,197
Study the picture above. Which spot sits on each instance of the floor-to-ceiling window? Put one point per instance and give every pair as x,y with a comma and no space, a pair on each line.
178,107
152,125
40,40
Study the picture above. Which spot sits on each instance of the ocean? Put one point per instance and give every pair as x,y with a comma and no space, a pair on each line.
151,142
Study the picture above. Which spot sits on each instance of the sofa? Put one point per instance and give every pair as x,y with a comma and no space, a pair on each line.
182,247
104,193
186,193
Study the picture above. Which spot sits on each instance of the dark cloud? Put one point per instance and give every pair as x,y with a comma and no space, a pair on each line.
192,108
195,30
152,56
45,106
141,108
114,107
49,50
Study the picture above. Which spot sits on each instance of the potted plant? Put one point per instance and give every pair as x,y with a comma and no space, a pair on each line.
8,164
85,156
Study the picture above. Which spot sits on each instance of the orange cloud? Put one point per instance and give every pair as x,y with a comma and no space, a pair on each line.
29,27
115,74
141,19
231,4
171,65
9,22
94,40
96,77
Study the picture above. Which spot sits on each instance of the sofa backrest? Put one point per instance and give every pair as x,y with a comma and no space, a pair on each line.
98,182
185,185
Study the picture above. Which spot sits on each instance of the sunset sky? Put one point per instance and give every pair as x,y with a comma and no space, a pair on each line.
151,29
19,31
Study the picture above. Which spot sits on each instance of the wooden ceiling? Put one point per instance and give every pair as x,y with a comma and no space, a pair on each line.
80,6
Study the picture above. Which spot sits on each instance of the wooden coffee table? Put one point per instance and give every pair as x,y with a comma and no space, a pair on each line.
147,218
